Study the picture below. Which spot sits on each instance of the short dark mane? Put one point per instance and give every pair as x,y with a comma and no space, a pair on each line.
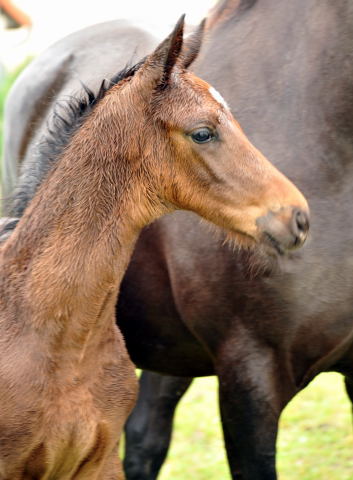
69,115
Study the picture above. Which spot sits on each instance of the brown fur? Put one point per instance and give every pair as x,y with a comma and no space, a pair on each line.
67,383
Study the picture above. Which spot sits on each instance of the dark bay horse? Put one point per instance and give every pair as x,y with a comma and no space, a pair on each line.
265,336
156,138
191,306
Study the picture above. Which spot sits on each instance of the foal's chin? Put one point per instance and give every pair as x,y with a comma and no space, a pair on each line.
240,240
267,250
256,258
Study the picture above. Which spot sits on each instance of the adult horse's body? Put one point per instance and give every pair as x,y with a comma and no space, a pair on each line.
191,306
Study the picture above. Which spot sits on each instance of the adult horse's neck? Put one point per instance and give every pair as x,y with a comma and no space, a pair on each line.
67,255
290,81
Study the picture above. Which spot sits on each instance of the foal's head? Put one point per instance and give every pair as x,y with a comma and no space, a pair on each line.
197,156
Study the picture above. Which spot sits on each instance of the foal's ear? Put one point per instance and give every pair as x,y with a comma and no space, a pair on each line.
159,65
192,45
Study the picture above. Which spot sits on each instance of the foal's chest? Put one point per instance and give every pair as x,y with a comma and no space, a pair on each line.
67,418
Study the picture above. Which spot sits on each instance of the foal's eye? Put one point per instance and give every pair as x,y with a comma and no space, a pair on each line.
202,135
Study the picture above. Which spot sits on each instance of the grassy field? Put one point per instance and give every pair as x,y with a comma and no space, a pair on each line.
315,442
5,85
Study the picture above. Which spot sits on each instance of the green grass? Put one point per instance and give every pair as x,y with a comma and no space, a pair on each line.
5,85
315,441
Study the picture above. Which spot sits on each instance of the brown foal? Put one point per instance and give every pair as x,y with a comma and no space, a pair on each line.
158,140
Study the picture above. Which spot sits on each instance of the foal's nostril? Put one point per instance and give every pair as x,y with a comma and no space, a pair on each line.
300,226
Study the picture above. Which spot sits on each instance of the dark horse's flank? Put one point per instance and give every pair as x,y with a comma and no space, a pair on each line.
191,306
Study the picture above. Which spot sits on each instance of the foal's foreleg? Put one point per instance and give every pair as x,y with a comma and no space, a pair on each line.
113,469
149,427
110,469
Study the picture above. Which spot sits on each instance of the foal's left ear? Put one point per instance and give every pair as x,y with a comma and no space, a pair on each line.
159,65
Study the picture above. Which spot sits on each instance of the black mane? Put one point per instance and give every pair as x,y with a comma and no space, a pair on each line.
69,115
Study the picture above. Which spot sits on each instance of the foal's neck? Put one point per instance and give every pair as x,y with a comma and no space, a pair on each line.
73,244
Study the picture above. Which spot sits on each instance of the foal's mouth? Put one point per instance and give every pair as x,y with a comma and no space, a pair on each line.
271,242
263,241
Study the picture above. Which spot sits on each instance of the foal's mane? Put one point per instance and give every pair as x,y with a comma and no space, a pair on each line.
68,116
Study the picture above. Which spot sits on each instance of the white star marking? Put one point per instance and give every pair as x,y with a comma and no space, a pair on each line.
218,97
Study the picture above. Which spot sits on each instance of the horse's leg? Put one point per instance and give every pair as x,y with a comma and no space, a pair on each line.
251,453
349,388
250,414
149,427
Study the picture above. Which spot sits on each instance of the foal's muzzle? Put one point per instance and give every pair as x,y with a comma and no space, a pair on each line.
286,229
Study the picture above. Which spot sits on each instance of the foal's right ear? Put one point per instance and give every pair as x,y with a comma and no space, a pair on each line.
158,66
192,45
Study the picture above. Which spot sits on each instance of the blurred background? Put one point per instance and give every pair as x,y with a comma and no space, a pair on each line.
39,22
315,440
